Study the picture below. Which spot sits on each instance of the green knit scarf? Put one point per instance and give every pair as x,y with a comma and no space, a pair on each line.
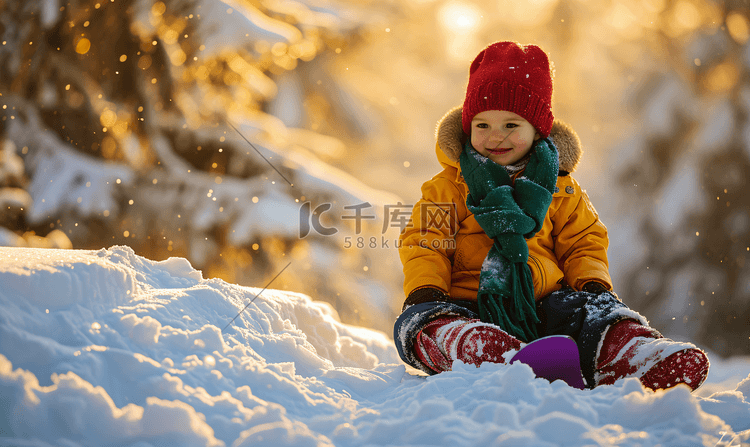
509,213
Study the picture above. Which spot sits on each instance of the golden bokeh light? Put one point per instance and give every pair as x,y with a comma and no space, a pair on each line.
158,8
300,251
108,118
177,56
170,35
120,128
722,77
109,147
83,46
687,15
201,73
144,62
621,17
738,27
685,18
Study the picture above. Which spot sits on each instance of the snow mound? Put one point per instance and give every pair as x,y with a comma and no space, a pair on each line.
106,347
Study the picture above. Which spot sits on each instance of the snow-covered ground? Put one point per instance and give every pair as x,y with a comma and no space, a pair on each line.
109,348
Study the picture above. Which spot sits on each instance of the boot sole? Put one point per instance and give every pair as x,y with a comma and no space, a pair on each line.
689,367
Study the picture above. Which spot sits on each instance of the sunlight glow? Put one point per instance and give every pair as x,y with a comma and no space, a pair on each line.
460,22
209,361
458,17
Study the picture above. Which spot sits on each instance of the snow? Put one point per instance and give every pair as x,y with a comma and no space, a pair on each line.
9,238
107,347
50,13
288,103
232,24
63,178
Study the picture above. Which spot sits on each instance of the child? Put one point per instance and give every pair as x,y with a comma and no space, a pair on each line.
505,247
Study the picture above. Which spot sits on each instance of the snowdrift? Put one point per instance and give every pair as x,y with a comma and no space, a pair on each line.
109,348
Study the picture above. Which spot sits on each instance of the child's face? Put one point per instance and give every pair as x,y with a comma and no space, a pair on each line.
503,137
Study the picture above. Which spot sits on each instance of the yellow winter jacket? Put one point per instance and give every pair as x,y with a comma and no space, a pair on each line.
443,246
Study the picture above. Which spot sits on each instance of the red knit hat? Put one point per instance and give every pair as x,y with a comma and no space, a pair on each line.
513,77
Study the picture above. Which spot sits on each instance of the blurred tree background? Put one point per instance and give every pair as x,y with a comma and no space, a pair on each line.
687,174
118,128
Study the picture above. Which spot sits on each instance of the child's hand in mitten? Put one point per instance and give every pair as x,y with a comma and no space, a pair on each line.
594,287
424,295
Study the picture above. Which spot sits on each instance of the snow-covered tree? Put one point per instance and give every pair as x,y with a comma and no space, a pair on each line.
183,128
15,200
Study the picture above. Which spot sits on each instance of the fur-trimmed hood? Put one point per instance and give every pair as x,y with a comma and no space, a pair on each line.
449,135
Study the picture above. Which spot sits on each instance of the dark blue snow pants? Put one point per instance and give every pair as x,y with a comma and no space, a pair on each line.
581,315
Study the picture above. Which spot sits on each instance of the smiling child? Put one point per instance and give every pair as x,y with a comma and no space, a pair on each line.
505,247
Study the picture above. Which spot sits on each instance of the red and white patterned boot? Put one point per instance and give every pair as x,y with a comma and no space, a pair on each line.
630,349
447,339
